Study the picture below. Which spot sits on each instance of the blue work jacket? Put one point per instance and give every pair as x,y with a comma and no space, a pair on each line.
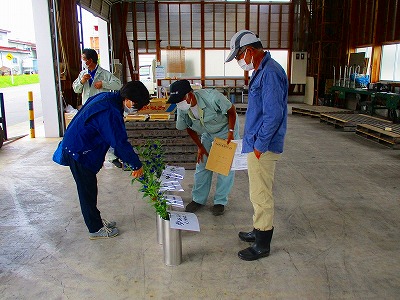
98,125
266,116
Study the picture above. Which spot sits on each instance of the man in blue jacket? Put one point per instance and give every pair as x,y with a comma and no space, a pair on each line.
98,125
264,133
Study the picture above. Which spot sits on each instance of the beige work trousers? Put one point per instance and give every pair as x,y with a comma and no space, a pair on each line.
261,179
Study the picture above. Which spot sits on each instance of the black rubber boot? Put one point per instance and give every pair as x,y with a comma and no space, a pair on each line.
247,236
260,248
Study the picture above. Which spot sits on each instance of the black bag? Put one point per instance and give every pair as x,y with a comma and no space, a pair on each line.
59,156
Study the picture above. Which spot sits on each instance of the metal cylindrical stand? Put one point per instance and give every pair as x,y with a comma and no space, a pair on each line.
172,244
31,114
159,225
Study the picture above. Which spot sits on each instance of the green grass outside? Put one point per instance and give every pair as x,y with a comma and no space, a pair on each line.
6,81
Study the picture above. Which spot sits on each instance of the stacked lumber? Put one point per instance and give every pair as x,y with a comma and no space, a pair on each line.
348,122
316,110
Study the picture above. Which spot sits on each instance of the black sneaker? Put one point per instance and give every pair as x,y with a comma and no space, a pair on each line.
192,207
117,163
218,209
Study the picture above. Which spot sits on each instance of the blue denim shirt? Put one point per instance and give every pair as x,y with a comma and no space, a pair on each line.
98,125
266,116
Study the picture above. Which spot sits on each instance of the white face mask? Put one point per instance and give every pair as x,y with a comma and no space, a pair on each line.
84,66
183,105
129,110
242,63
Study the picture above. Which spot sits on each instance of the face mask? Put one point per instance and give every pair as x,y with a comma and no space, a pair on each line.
130,110
84,65
183,105
243,65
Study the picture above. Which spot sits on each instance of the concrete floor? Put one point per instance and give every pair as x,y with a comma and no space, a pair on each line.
336,229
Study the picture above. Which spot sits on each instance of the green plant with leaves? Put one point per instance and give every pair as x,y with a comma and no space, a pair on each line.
152,157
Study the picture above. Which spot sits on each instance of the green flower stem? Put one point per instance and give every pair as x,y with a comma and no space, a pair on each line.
152,157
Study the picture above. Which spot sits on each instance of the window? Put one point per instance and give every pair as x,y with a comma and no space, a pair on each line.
390,63
281,57
216,66
192,64
367,51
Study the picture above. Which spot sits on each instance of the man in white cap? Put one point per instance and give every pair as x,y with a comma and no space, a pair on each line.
264,133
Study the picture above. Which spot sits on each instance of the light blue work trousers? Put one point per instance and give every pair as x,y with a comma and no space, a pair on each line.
203,178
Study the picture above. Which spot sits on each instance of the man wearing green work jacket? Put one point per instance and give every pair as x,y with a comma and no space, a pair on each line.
208,113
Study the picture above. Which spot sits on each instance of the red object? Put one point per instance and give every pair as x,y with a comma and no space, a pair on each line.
96,27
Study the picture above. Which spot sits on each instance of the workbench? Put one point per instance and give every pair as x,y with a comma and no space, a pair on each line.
228,90
368,100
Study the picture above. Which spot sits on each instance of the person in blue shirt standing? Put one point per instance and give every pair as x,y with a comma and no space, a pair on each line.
208,113
264,133
98,125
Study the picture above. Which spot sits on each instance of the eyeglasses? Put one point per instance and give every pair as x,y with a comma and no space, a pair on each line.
240,53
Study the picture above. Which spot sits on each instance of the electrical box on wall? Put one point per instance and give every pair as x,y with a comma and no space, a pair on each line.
299,68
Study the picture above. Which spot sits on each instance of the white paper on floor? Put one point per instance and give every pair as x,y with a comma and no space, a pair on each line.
173,185
174,172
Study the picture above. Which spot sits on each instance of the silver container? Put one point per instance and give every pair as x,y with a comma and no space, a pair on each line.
159,225
172,244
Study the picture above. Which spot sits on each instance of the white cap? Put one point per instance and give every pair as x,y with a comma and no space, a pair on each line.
240,39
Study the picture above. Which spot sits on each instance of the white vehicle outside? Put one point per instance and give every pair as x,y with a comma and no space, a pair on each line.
147,65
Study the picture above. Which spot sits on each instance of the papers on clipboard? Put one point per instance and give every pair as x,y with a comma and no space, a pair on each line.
221,156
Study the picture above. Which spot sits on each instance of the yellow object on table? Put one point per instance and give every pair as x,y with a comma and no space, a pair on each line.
160,116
